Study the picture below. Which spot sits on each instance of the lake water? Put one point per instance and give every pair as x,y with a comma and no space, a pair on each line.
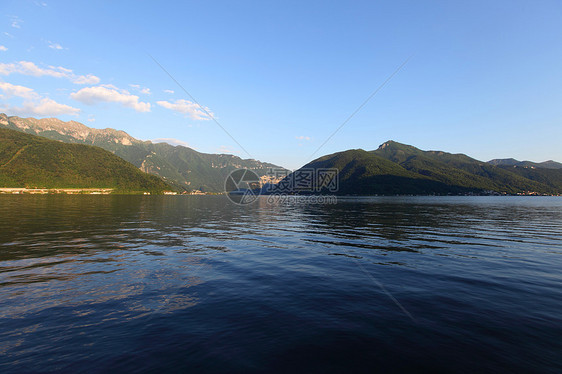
198,284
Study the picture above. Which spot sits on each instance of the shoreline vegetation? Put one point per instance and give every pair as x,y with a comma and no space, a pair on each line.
69,191
112,191
88,191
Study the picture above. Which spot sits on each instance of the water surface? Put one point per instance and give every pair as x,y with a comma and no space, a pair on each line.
195,283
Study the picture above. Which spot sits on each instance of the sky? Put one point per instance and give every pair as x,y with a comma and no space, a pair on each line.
273,81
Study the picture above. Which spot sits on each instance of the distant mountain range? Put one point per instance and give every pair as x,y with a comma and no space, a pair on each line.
529,164
393,168
36,162
396,168
182,167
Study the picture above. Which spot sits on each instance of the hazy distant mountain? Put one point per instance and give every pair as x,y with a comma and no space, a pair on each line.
181,166
504,161
396,168
513,162
35,162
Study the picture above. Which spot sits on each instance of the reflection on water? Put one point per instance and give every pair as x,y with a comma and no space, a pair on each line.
197,283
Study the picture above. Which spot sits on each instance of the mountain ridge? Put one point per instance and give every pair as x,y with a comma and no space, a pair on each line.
185,168
396,168
549,164
392,168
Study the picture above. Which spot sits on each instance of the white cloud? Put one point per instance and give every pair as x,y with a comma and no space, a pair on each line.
8,35
3,49
16,22
55,45
113,87
193,110
29,68
171,141
87,79
169,91
33,104
306,138
11,90
110,93
142,90
46,107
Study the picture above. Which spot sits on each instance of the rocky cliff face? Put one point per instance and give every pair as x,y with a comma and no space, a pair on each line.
73,131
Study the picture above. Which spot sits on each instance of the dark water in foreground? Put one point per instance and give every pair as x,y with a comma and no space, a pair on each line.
178,283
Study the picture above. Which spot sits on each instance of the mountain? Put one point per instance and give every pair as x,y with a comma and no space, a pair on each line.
550,164
504,162
36,162
457,169
513,162
183,167
365,173
396,168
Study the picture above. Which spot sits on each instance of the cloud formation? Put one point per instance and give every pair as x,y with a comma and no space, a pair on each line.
142,90
16,22
3,49
33,104
169,91
110,94
194,111
55,45
87,79
301,137
11,90
29,68
45,107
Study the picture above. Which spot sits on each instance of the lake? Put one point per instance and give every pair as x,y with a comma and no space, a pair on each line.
198,284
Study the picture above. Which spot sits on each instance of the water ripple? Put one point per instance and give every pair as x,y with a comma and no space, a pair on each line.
93,283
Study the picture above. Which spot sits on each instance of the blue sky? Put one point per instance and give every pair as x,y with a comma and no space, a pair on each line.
484,77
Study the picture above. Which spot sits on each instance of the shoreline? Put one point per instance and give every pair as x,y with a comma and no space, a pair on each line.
43,191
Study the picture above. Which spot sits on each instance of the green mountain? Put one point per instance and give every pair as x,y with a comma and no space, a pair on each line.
458,169
182,167
545,176
35,162
396,168
513,162
364,173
